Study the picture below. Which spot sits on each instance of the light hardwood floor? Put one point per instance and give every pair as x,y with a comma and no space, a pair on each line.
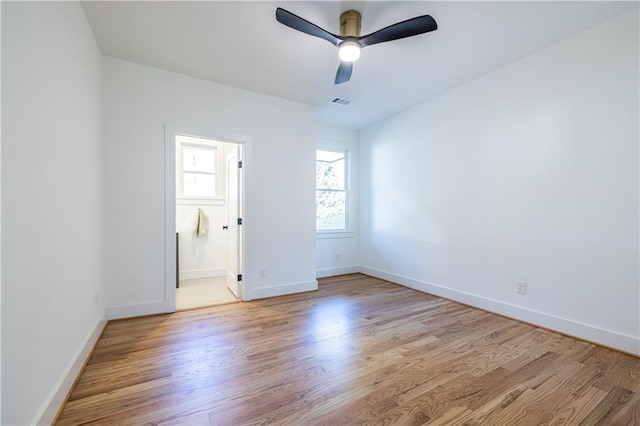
360,350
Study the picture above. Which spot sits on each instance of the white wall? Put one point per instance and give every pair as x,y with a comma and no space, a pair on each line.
0,218
52,204
528,173
204,256
337,253
279,211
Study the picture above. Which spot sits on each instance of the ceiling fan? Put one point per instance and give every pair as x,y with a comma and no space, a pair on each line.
349,42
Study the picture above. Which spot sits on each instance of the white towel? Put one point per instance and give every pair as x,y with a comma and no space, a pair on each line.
203,223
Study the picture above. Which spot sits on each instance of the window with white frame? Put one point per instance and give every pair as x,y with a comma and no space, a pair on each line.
331,190
198,164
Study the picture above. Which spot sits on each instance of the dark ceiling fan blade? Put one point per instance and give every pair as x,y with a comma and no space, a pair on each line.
410,27
297,23
344,72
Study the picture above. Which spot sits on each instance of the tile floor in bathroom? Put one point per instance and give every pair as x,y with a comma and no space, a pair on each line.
200,292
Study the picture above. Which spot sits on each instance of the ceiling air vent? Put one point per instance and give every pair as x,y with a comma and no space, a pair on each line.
340,101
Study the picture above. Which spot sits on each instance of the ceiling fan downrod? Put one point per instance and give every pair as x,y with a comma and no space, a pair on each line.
350,23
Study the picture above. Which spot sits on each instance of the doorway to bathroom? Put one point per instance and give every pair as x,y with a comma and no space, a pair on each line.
208,220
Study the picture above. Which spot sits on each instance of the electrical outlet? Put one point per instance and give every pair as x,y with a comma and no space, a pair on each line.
263,273
337,258
521,287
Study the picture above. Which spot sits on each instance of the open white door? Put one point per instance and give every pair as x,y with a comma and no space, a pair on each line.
234,220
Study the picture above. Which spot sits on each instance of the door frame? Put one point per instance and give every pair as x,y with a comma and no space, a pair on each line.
170,131
233,227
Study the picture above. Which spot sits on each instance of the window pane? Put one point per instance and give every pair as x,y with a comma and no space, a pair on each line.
199,185
330,210
198,159
330,175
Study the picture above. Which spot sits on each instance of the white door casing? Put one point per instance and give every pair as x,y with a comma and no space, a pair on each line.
243,149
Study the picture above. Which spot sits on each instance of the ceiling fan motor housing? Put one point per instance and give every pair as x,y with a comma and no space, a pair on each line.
350,23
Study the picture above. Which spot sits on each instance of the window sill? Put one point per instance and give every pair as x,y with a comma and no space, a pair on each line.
200,201
334,234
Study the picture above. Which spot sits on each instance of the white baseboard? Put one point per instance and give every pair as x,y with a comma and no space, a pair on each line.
566,326
331,272
281,290
192,274
137,310
57,399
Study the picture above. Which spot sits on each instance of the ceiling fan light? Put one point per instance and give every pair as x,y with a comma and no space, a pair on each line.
349,51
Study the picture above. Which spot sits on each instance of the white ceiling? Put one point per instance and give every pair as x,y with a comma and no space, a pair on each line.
239,43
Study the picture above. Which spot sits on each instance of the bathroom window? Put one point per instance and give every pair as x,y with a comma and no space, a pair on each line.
198,168
199,171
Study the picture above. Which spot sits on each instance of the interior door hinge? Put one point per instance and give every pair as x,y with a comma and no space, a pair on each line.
239,221
239,164
239,277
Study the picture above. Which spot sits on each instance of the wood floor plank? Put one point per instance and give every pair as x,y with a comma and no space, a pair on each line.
358,351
